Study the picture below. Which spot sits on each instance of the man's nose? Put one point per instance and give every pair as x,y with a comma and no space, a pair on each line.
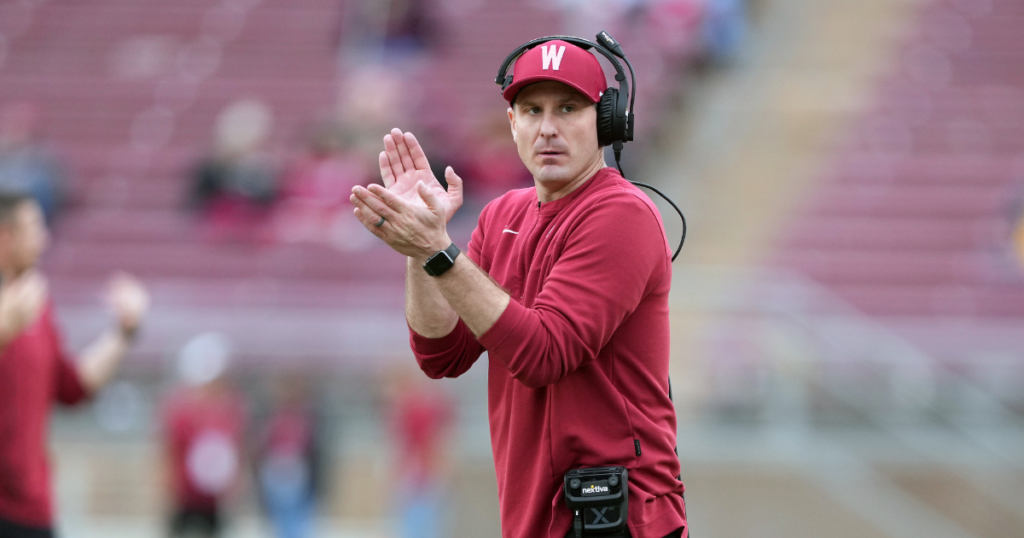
548,125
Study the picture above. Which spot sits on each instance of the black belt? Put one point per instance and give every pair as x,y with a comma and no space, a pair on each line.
678,533
10,529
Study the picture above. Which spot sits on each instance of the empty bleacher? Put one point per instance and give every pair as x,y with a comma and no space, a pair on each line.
913,215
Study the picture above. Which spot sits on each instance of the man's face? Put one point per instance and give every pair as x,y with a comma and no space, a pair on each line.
23,238
555,129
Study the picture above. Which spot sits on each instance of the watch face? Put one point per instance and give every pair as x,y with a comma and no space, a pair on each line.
441,261
438,263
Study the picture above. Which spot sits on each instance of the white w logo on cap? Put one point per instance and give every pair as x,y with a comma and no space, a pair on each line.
548,55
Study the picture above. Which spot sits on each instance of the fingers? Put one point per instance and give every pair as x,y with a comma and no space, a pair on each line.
387,175
31,287
129,289
394,159
32,277
369,221
419,158
128,297
454,188
389,198
374,201
430,199
403,149
25,296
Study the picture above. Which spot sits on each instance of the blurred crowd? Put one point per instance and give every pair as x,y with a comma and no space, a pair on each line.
247,190
251,188
223,444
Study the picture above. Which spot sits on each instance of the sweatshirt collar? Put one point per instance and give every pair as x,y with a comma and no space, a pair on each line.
554,206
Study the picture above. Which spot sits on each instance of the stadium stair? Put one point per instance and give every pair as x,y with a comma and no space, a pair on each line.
912,219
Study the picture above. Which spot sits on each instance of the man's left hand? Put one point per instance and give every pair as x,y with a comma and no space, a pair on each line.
129,300
417,231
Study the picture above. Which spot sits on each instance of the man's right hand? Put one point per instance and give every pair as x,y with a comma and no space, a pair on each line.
403,163
21,301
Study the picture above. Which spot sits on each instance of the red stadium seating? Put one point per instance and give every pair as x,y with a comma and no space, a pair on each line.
918,203
102,69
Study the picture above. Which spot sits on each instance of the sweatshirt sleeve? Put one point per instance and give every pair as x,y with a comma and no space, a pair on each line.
452,355
448,356
613,258
68,383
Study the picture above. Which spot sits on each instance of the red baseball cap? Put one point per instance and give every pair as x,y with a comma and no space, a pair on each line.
562,62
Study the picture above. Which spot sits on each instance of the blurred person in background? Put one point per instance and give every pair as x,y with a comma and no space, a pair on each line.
289,459
565,285
370,99
26,164
580,17
234,187
204,426
725,28
313,204
421,416
35,369
675,28
492,162
1013,248
396,29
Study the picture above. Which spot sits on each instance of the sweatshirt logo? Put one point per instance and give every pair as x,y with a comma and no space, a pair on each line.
594,490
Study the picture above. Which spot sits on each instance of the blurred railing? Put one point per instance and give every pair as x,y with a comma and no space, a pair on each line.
778,348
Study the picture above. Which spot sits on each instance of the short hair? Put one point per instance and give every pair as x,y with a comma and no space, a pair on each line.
9,203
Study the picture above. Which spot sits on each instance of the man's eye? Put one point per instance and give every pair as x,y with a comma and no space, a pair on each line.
568,108
534,110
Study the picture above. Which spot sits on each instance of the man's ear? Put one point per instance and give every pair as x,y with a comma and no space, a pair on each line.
512,122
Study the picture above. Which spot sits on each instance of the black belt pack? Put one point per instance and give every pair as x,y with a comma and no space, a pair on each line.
598,498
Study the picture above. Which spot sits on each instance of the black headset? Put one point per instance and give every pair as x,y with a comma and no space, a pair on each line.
614,118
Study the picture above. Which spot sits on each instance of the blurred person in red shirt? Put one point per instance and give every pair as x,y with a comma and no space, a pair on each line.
289,461
420,416
204,424
314,202
35,370
235,186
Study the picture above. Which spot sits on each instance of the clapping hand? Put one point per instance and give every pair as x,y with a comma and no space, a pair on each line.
129,300
403,164
21,300
412,208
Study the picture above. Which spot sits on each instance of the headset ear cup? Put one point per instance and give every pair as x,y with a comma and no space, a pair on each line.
606,117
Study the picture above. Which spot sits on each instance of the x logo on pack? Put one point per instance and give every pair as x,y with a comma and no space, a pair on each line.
600,515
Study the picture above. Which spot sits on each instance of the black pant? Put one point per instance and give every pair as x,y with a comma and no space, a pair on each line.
678,533
9,529
189,520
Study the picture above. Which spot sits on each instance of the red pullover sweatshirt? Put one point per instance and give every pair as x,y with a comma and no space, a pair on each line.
578,373
34,371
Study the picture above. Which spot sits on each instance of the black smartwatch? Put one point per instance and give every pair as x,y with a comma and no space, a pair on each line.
441,261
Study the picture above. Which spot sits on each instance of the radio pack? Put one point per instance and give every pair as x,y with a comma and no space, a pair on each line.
598,498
